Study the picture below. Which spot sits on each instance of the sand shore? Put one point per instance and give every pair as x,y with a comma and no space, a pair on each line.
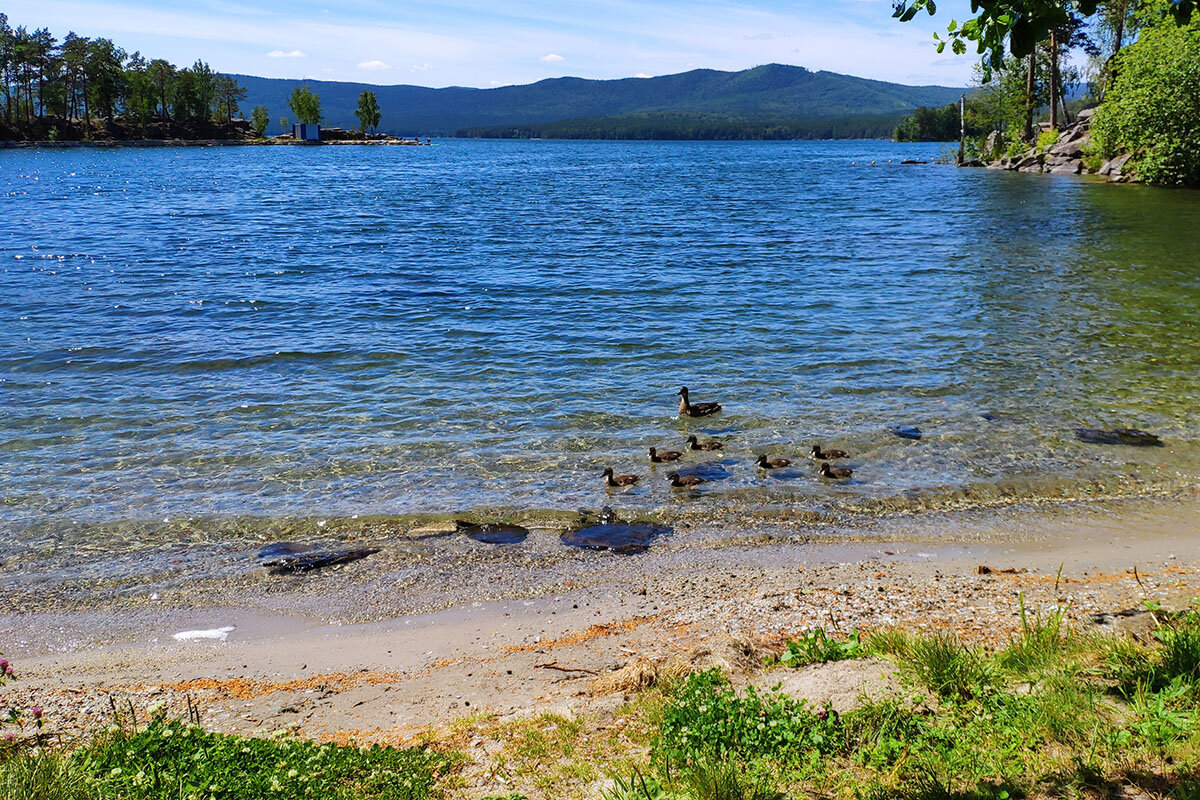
284,664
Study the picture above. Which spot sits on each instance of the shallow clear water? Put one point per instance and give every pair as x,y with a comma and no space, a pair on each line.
329,331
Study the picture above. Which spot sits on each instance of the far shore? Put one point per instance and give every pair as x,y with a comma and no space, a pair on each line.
547,642
105,143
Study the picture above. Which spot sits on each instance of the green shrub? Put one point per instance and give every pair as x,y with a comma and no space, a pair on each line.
1046,140
1153,106
816,648
706,718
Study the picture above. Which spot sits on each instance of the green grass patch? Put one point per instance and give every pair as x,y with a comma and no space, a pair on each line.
177,760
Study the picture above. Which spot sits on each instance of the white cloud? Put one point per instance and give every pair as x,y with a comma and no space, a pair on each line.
552,58
286,54
374,64
641,75
422,67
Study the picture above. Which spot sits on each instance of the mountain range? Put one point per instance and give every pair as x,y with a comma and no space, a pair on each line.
761,97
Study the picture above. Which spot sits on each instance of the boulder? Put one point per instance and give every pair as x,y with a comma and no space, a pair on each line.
1031,160
1068,168
991,144
1068,149
1116,166
1086,115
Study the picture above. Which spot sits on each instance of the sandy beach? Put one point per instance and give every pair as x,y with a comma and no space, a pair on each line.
290,659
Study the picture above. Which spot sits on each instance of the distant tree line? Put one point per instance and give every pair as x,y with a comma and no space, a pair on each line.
689,126
51,87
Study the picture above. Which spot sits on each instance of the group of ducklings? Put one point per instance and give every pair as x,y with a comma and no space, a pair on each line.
678,481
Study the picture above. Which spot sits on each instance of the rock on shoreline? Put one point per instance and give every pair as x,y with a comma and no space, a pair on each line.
1064,157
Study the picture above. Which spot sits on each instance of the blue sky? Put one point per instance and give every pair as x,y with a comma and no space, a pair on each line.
477,43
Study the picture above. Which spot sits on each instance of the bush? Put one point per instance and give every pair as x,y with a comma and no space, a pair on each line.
1153,106
1046,140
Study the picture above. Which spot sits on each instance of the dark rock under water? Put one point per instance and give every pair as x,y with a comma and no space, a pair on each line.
907,431
619,537
282,558
1131,437
493,532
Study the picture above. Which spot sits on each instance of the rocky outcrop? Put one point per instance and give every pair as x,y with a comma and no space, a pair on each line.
1064,157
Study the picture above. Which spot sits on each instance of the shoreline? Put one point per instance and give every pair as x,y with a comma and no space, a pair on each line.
151,143
291,660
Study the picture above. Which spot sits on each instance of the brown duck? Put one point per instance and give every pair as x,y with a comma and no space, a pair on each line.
836,473
774,463
689,409
664,456
825,455
710,445
619,480
684,481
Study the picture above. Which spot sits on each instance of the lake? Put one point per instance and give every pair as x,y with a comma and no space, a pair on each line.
483,326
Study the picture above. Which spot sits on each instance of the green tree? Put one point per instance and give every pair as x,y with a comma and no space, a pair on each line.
367,111
105,76
305,105
1022,24
1153,106
162,74
228,95
260,118
195,91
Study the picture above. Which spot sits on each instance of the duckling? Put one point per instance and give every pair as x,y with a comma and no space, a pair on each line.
684,481
664,456
835,473
710,445
688,409
619,480
825,455
774,463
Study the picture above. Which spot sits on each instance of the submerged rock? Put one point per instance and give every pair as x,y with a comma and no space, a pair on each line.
1126,436
612,534
493,532
907,431
282,558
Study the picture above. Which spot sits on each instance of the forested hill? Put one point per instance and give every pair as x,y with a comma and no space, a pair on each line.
774,92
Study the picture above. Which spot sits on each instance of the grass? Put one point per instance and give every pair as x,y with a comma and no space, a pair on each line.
178,760
1054,713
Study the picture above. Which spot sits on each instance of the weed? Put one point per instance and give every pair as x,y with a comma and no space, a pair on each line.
28,774
707,718
1041,640
946,667
816,648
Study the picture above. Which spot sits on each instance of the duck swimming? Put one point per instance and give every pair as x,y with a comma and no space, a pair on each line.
774,463
664,456
710,445
619,480
836,473
684,481
825,455
689,409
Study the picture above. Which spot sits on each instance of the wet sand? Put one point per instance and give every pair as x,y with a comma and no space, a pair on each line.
516,635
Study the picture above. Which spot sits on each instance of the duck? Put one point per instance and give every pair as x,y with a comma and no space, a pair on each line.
689,409
710,445
825,455
619,480
664,456
684,481
774,463
835,473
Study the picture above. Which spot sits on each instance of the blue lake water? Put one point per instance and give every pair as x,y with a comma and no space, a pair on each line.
264,332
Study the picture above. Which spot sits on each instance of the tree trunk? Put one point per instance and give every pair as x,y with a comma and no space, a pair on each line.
1053,80
1030,85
